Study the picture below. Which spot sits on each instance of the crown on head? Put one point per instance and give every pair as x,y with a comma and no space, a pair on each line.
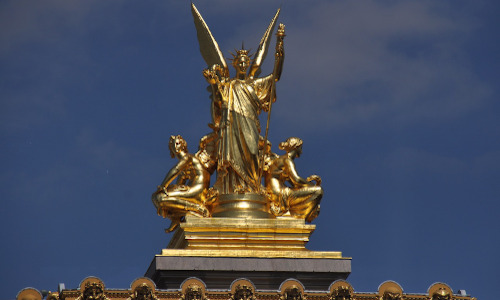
240,53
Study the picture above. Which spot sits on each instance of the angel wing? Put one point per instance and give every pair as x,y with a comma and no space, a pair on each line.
208,46
261,53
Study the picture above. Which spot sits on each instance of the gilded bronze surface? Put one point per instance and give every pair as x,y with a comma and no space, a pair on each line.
191,191
390,290
440,291
248,205
244,237
94,290
243,292
235,149
441,294
193,292
143,292
293,293
29,294
301,200
282,236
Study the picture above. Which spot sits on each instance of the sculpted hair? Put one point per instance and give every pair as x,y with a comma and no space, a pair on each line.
290,144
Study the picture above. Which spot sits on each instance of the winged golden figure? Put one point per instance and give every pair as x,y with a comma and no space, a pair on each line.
236,104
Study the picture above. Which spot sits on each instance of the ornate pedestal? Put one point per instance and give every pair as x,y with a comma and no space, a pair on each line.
265,251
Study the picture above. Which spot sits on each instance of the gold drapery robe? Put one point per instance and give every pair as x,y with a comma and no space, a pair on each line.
238,145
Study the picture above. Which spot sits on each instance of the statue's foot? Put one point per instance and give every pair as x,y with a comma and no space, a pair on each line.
277,209
173,225
312,215
212,196
204,212
200,211
161,212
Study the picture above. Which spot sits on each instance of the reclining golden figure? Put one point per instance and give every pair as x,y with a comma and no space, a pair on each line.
191,190
301,199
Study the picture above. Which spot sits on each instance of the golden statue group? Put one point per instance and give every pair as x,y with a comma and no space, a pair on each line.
235,149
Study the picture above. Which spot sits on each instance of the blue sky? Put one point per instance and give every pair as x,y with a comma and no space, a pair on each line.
396,101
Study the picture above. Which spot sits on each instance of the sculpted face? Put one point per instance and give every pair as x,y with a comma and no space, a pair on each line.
143,292
195,296
241,63
243,293
293,294
176,145
392,293
342,293
194,292
93,292
298,151
391,296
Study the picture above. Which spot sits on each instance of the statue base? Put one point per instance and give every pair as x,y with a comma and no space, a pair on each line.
265,251
242,206
280,237
218,273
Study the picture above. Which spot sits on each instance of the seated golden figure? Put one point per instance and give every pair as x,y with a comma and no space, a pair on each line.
301,199
190,192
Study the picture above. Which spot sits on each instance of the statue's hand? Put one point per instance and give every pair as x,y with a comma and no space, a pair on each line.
203,142
315,178
210,76
161,189
217,69
279,40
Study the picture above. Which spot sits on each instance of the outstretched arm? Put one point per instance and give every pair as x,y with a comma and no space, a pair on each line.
174,172
215,77
315,178
280,52
294,177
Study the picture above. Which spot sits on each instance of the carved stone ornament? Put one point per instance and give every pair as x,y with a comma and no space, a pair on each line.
29,294
390,294
93,291
193,292
143,292
293,293
342,293
52,296
390,290
243,292
441,294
